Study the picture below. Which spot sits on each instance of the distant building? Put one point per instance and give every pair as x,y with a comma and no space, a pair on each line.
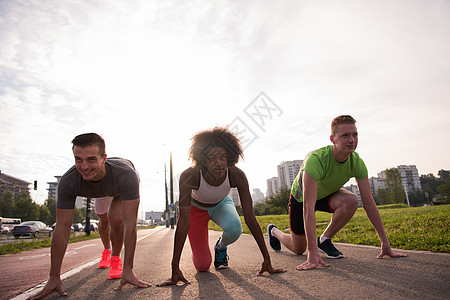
13,184
52,186
287,171
154,217
257,196
410,178
376,184
354,189
409,175
273,185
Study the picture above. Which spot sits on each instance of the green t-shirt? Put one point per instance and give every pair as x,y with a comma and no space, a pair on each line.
329,174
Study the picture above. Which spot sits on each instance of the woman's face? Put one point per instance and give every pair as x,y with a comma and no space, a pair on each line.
217,162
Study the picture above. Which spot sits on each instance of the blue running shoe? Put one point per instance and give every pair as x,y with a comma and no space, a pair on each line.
273,241
221,257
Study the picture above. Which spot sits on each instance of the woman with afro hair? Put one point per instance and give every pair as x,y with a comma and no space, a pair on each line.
204,190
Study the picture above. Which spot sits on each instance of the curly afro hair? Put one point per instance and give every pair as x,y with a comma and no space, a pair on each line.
204,141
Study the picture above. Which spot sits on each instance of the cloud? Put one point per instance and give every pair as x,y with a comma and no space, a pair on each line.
148,74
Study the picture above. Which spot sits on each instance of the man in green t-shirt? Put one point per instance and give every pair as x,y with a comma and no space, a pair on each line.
318,186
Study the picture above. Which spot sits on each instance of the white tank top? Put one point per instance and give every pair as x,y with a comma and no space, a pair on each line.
210,194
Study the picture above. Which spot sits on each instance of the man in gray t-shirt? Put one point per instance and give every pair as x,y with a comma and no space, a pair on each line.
96,176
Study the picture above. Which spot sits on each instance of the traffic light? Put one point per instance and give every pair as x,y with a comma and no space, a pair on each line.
35,185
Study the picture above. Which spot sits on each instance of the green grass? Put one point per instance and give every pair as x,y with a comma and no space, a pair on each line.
21,245
411,228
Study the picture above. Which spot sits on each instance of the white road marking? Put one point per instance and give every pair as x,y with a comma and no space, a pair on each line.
72,272
85,246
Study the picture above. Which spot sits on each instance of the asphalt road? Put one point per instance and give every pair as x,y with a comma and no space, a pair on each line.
421,275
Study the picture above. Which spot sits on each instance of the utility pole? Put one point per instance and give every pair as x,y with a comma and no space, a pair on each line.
172,206
167,198
87,227
406,192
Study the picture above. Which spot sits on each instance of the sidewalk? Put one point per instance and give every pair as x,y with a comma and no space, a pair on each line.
421,275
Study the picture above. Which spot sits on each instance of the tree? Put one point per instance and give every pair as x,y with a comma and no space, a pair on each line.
7,204
383,197
260,209
444,175
44,215
279,203
50,203
436,186
395,186
417,198
78,215
274,205
25,208
444,190
429,184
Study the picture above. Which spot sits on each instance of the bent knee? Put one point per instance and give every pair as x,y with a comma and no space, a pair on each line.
235,233
116,224
230,235
202,264
351,202
299,250
202,268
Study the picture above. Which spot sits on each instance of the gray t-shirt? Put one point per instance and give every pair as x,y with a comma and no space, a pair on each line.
120,179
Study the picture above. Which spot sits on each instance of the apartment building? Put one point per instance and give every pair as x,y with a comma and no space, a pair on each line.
13,184
287,171
273,185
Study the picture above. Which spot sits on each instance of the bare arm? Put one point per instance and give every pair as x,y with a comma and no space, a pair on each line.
373,214
129,215
60,239
241,182
181,231
309,216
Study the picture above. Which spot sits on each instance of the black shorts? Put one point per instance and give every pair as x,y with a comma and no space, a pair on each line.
296,213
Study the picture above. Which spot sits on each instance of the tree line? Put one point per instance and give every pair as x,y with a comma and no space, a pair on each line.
435,190
26,209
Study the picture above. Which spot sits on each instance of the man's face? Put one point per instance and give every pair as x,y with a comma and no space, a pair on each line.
345,138
89,162
217,161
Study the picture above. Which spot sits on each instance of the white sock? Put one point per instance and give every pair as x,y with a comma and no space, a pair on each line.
271,231
323,238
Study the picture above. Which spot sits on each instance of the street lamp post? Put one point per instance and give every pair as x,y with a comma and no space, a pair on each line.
172,206
167,199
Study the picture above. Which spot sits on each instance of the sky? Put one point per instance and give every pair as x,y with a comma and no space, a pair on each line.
148,75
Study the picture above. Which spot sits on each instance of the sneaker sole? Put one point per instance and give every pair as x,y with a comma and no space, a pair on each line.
334,257
103,267
221,267
114,277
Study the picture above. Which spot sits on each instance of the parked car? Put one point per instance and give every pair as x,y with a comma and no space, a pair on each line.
72,229
4,229
93,227
31,228
77,226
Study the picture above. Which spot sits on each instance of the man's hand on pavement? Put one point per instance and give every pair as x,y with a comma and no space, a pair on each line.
387,251
313,261
53,284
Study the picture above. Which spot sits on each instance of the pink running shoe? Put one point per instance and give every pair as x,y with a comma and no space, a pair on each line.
115,270
105,261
